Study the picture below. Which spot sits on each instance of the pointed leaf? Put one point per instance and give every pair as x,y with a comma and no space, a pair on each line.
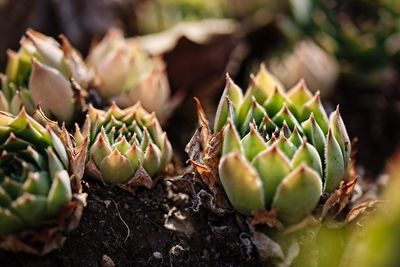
297,195
272,166
242,184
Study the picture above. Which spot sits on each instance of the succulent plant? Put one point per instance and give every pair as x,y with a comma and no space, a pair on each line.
127,74
44,73
124,144
35,177
279,149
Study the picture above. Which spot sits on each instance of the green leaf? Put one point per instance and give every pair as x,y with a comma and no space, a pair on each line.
253,143
298,95
9,223
307,154
340,134
152,160
315,106
55,165
242,184
314,134
100,149
284,115
275,102
60,193
116,168
335,169
265,84
37,183
286,146
231,140
295,138
297,195
272,166
30,209
135,156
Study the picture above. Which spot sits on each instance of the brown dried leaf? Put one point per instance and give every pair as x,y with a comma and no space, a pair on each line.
141,178
206,175
204,125
361,209
92,171
340,197
193,148
213,152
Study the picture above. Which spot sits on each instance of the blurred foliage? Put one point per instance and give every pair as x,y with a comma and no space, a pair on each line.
363,33
377,242
159,15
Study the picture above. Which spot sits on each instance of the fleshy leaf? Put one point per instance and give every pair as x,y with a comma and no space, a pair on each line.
297,195
242,184
272,166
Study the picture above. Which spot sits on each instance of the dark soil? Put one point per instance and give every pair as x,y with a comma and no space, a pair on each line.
130,230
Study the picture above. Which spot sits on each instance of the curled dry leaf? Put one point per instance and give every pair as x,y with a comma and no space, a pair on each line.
141,178
203,151
339,199
363,208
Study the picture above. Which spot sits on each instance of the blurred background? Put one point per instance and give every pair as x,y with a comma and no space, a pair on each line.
349,50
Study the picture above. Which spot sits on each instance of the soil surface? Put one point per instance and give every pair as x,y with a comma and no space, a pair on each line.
119,228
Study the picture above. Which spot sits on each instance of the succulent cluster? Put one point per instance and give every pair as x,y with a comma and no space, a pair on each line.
127,74
34,173
44,73
279,148
122,141
41,165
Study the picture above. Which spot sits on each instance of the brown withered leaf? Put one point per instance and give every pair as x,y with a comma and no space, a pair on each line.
340,198
141,178
212,156
266,217
361,209
91,170
206,175
193,148
204,125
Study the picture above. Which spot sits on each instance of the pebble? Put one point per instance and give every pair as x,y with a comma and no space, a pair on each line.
157,255
106,261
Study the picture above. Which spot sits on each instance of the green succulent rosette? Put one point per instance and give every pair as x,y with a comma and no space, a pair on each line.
279,149
127,146
44,73
40,192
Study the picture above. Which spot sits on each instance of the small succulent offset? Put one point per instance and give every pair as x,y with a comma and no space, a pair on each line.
44,73
124,144
35,176
279,149
125,73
